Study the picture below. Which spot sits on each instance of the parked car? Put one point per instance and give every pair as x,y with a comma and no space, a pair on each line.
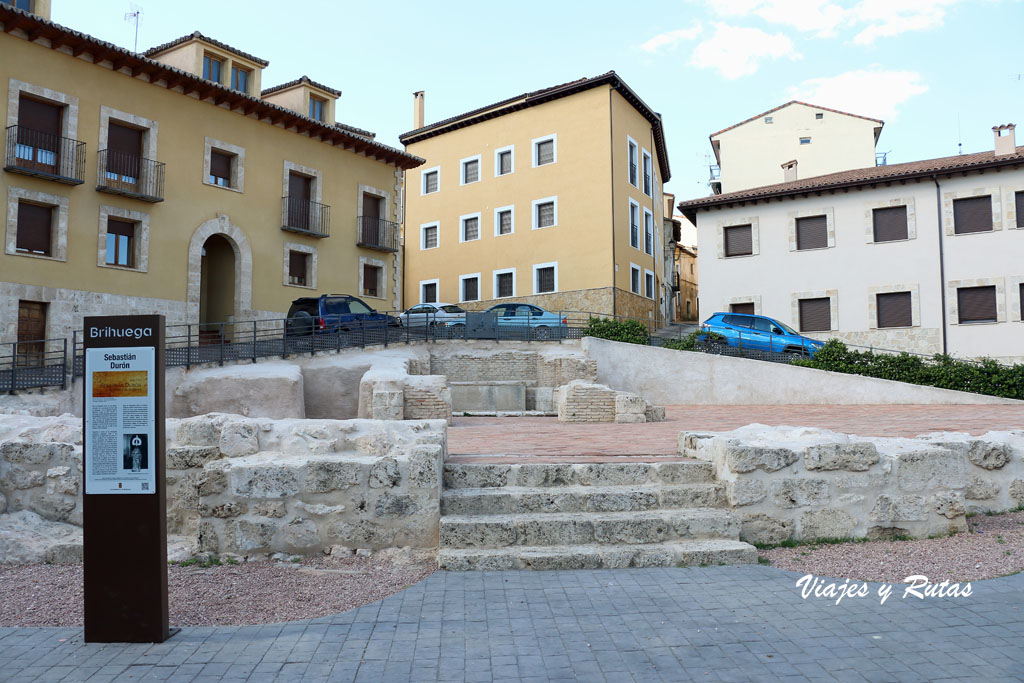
332,313
425,315
759,332
532,321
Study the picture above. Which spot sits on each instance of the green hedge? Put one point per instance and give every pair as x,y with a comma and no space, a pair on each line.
629,331
985,376
692,341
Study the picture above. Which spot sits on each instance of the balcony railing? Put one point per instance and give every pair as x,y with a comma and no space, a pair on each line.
130,176
305,217
377,233
44,155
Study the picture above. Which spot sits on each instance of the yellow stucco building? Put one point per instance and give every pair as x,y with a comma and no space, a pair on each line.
170,182
553,197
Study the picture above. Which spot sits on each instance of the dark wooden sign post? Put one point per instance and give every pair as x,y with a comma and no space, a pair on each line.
124,501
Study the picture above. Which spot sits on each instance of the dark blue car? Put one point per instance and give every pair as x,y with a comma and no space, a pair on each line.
759,332
331,313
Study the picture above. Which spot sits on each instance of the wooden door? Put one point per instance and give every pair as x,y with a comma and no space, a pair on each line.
299,193
39,129
124,156
371,220
31,332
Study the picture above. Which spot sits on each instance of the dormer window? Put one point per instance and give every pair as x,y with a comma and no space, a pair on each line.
212,68
240,79
316,108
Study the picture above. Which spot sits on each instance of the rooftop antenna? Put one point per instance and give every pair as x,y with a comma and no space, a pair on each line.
134,15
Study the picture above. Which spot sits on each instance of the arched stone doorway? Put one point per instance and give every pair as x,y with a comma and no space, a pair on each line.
219,275
217,284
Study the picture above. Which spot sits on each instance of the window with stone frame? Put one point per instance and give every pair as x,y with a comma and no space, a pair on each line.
220,167
738,240
815,314
35,229
298,268
373,278
121,242
972,214
894,309
976,305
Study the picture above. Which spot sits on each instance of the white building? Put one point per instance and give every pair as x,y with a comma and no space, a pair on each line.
762,149
926,256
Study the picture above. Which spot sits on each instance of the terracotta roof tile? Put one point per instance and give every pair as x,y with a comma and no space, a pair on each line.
857,176
298,81
196,35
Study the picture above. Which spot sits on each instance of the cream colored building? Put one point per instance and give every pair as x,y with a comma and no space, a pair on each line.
169,182
552,197
926,256
793,140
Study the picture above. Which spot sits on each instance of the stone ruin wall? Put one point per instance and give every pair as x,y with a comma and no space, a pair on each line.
800,483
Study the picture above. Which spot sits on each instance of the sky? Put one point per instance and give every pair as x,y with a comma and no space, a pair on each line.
938,72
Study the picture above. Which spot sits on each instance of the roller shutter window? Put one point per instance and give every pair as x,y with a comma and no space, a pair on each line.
124,153
890,224
973,214
1019,206
739,240
976,304
747,308
815,315
39,133
545,280
370,280
505,283
297,262
471,289
35,224
220,168
895,309
812,232
545,152
471,171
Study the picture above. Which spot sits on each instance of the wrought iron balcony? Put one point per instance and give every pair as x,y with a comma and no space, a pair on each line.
44,155
376,233
130,176
305,217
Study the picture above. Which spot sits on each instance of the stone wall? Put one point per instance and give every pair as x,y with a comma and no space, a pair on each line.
598,300
427,397
803,483
910,339
248,487
580,401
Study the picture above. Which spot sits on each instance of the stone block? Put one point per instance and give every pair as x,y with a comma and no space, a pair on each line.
203,430
187,457
425,464
855,457
931,469
324,477
741,459
269,508
299,535
266,389
20,478
264,481
385,474
244,536
239,438
829,523
389,505
760,528
224,510
655,413
387,404
212,481
26,453
746,492
854,482
949,504
1017,491
899,509
3,503
27,538
794,492
630,418
488,396
990,456
887,533
626,403
979,489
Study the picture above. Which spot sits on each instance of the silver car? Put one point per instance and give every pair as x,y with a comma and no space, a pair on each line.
439,314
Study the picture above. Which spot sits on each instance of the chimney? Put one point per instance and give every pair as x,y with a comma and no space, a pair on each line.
789,171
417,110
1006,139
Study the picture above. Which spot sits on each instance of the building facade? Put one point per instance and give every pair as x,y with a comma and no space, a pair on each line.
925,257
793,140
553,198
170,183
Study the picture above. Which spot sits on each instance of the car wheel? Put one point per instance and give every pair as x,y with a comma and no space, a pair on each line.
300,324
542,332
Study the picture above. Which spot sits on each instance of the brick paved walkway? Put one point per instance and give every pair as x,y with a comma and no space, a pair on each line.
545,436
744,623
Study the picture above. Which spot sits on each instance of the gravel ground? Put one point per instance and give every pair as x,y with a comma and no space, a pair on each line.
247,593
993,546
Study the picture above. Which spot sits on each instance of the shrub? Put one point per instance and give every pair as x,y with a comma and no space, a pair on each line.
629,331
984,376
692,341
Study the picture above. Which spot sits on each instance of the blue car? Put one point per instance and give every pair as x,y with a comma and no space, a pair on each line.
759,332
514,320
333,313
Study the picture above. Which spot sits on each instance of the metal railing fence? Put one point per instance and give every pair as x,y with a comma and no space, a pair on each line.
45,155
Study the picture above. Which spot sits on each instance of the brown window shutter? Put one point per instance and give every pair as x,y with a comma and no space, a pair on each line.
972,215
742,308
124,140
1019,205
297,262
815,315
118,227
299,187
890,224
370,280
812,232
895,309
545,152
470,289
545,280
739,240
371,206
40,116
220,164
34,226
976,304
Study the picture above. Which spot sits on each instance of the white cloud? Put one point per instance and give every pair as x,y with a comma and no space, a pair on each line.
872,19
870,92
736,51
670,39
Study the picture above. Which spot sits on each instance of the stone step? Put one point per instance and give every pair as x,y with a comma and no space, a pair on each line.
515,499
670,554
463,475
586,528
